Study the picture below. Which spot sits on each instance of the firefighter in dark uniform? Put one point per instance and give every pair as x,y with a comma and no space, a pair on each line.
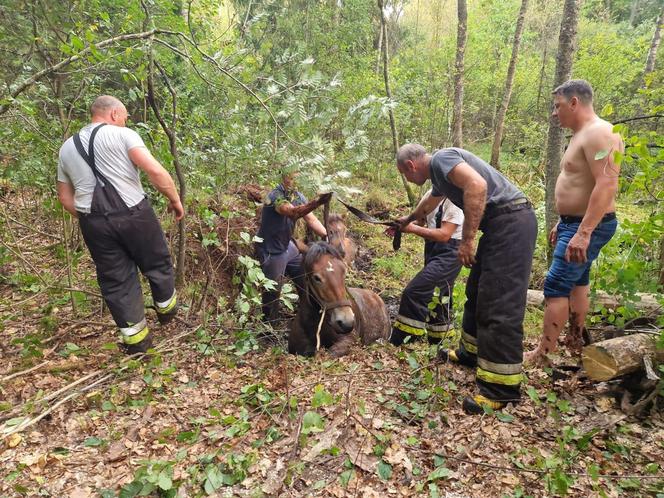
99,183
442,235
277,253
492,335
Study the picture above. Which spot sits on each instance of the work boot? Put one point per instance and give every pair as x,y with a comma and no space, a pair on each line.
167,316
397,337
139,347
475,405
457,356
167,310
270,306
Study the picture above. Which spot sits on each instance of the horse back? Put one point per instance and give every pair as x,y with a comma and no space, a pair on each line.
374,320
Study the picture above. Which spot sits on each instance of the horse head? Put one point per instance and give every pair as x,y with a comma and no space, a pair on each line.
325,273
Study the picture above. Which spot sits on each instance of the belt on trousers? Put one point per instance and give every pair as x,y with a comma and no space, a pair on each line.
492,210
578,219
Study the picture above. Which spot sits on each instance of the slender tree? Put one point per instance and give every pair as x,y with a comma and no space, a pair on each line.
632,12
554,144
462,36
388,92
654,45
509,80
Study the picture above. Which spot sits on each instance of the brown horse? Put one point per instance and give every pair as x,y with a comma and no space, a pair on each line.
348,313
336,235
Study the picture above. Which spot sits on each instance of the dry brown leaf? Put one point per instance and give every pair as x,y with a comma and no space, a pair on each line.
116,452
398,456
604,403
275,478
357,457
36,462
14,440
80,493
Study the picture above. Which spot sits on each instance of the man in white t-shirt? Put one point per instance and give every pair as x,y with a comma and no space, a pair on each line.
442,235
98,182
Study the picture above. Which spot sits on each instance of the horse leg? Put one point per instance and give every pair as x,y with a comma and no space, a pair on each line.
342,346
298,341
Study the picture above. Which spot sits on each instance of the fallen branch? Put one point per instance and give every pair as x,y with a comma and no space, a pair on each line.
55,237
78,382
648,303
612,358
24,372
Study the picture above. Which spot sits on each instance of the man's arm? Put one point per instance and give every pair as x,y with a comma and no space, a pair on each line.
315,225
66,197
295,212
442,234
426,205
474,201
158,177
605,172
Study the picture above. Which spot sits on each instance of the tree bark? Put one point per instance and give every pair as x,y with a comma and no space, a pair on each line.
462,36
554,145
386,76
654,45
632,12
509,80
612,358
541,77
380,46
661,263
170,131
648,303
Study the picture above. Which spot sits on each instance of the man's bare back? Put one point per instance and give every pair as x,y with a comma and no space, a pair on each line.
576,180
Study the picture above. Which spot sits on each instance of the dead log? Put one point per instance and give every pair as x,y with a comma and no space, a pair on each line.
648,303
608,359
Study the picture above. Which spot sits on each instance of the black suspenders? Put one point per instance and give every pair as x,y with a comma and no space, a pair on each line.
90,158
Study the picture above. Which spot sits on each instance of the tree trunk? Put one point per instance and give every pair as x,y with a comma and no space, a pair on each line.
541,77
554,145
380,46
632,12
462,36
608,359
661,263
393,126
509,80
170,131
654,45
648,303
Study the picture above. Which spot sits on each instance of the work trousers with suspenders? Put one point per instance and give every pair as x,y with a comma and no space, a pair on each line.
496,290
418,314
120,239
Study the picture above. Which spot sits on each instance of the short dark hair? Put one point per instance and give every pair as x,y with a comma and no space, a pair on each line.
409,152
580,89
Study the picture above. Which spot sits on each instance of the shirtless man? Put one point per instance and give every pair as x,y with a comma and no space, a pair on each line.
585,198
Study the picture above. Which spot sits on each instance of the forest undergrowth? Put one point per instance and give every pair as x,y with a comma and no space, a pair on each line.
219,408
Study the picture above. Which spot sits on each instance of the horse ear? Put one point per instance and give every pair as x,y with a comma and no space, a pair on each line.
301,246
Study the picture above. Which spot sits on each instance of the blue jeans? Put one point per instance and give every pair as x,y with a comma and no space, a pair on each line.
563,276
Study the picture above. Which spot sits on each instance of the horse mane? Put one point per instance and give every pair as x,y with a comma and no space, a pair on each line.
316,250
335,218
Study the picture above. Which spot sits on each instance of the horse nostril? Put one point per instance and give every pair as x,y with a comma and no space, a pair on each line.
345,327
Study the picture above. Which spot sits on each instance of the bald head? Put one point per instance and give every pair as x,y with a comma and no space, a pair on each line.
104,104
410,152
108,109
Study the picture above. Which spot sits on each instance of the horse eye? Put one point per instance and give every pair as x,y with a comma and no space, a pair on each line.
317,279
